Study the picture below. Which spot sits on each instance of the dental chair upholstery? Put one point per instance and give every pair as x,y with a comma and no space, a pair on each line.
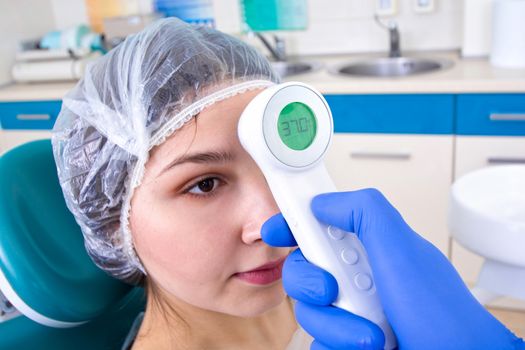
45,272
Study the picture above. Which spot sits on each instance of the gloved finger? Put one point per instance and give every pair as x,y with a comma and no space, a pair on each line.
338,328
308,283
316,345
356,211
275,232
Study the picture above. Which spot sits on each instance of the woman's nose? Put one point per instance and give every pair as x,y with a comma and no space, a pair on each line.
260,206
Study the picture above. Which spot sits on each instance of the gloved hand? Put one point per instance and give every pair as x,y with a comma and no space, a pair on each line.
425,300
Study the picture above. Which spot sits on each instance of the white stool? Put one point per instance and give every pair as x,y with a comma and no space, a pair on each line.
487,216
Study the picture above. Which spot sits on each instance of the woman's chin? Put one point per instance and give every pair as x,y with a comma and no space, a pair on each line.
258,303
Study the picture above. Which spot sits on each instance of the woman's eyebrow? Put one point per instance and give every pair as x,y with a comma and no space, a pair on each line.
202,157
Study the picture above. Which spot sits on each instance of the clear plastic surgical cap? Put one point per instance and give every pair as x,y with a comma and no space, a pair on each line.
129,101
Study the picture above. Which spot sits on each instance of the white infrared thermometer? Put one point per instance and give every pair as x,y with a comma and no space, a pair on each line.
287,129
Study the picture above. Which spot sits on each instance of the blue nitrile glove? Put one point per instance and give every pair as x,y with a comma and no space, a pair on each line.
425,300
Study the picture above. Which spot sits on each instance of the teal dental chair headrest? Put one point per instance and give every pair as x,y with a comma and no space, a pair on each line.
45,271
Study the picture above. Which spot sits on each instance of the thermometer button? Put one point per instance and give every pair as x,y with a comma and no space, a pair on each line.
363,281
350,256
336,233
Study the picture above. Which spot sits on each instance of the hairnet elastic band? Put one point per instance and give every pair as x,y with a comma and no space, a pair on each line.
159,137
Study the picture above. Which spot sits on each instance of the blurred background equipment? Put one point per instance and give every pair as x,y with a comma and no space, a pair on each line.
191,11
476,28
58,56
116,29
98,10
508,34
57,65
264,15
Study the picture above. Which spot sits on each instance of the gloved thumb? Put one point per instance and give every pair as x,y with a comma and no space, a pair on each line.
366,212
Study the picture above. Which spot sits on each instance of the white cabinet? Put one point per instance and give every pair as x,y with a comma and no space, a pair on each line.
413,171
12,138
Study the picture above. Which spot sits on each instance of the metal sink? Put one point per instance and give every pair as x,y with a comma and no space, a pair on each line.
391,67
288,68
283,65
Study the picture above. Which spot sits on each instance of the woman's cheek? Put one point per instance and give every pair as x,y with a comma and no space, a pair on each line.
198,252
190,235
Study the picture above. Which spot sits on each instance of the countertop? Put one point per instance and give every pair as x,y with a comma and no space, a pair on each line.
465,76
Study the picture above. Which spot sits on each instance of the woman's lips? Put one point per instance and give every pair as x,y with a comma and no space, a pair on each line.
264,274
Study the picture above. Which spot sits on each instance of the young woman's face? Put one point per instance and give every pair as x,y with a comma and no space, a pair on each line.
196,218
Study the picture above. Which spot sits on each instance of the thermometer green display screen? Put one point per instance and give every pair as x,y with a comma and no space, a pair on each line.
297,126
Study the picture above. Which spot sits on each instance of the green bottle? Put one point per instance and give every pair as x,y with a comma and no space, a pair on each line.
263,15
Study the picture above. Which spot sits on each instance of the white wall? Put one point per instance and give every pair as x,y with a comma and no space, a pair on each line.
347,26
20,20
68,13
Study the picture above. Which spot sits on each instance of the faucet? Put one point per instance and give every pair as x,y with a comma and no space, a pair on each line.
279,51
395,40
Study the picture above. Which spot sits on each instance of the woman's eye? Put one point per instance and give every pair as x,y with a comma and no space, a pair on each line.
204,186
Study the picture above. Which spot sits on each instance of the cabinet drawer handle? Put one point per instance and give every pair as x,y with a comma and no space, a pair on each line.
380,155
33,117
504,160
507,117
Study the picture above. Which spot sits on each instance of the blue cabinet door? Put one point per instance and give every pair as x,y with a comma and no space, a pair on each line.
393,114
29,115
490,114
